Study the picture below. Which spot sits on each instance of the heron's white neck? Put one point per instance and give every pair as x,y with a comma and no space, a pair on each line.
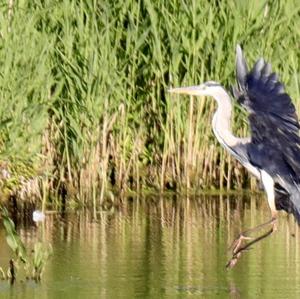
222,120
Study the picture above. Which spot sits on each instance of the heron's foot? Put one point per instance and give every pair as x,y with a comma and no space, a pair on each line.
238,247
237,243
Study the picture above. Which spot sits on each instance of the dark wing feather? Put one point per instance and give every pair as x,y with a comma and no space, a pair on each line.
275,141
263,95
272,115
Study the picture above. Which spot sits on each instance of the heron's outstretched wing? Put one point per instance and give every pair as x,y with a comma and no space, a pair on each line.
263,95
275,143
272,115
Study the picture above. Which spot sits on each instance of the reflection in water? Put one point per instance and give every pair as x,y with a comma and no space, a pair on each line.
163,248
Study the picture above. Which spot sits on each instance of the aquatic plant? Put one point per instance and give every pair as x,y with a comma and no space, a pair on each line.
84,107
33,261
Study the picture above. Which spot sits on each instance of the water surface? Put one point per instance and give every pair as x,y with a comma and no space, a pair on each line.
161,248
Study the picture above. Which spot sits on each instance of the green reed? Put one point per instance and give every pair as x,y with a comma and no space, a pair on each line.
83,90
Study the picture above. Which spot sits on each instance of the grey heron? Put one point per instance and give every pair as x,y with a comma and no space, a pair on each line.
272,152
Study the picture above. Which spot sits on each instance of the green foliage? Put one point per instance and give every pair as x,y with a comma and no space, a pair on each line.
12,238
34,261
83,86
41,254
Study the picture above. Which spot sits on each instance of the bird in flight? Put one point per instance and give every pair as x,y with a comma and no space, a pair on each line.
272,152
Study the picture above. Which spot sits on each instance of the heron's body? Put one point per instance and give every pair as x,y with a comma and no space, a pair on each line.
272,153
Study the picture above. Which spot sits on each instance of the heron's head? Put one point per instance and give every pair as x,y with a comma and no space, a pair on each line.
209,88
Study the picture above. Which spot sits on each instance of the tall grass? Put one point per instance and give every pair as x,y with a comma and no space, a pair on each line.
83,90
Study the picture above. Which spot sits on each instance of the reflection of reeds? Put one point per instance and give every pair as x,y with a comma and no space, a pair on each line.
153,243
84,106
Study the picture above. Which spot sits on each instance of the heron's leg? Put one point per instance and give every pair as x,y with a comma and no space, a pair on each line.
268,183
237,251
237,247
245,235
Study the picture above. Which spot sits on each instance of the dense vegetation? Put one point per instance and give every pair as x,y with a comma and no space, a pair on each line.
83,90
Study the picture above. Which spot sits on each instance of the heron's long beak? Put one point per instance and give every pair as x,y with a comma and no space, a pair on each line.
190,90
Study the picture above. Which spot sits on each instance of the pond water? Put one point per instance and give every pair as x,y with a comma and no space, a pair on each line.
161,248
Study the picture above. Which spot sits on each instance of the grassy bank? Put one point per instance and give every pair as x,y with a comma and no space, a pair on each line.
84,107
